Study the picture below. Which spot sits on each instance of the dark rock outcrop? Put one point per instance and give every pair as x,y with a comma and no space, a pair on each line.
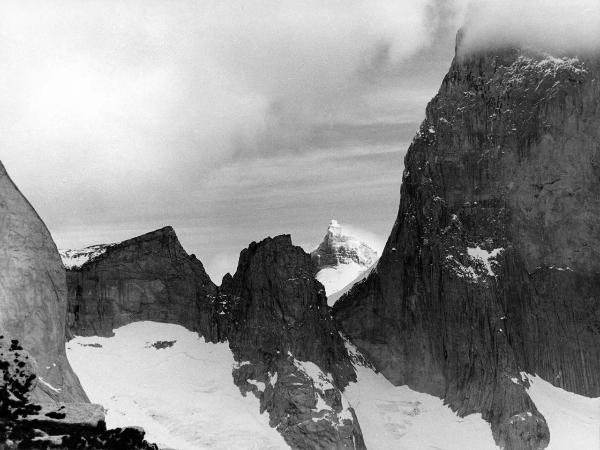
493,265
288,349
33,295
149,277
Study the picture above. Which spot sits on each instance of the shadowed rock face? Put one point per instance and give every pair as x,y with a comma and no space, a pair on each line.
283,335
149,277
33,295
492,267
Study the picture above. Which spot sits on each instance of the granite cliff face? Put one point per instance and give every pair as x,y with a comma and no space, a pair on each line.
42,404
289,350
149,277
492,267
33,295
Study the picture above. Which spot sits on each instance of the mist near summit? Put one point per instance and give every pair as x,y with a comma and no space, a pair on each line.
545,25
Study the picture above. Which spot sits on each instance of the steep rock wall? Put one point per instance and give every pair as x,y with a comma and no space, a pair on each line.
33,298
289,350
492,267
150,277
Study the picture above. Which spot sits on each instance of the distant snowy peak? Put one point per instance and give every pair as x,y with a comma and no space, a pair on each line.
339,248
74,259
341,260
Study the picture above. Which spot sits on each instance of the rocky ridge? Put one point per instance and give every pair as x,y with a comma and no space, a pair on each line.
272,312
150,277
491,269
289,351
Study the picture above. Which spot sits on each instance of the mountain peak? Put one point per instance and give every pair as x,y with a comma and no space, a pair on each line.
340,248
341,259
334,228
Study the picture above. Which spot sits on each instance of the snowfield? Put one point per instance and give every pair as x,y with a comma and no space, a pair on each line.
398,418
336,295
337,278
573,420
182,395
181,392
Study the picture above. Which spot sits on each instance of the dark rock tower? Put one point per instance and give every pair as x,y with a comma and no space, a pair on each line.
493,265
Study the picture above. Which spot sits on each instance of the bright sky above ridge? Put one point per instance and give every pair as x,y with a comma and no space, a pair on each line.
230,121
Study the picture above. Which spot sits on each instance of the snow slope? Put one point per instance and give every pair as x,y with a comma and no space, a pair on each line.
182,393
398,418
337,294
342,260
336,278
573,420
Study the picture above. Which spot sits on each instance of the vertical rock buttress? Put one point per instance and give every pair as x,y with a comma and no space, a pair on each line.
33,295
493,265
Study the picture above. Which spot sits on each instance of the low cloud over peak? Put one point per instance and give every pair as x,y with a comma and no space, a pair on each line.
571,26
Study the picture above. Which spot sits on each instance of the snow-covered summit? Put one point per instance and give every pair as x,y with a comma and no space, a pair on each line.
334,228
340,248
341,259
74,259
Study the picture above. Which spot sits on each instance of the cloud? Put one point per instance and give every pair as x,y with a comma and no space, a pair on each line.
373,240
127,104
118,117
547,25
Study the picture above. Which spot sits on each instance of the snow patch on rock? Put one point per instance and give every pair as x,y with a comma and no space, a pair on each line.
74,259
477,263
485,257
323,382
320,380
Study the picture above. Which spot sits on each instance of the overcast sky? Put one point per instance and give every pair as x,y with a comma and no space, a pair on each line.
229,120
